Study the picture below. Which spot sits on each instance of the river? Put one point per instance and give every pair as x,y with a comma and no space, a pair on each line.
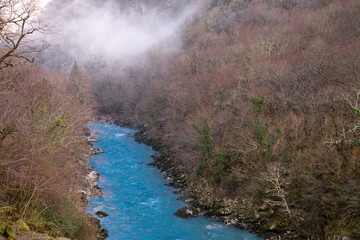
139,204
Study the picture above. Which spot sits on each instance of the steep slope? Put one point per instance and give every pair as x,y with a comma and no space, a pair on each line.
261,105
43,154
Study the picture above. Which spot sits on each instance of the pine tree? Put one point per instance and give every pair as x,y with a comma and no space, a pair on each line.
76,83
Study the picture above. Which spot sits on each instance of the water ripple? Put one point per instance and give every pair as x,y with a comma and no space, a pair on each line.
139,205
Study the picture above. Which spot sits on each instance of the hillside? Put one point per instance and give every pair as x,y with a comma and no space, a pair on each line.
254,104
260,103
43,147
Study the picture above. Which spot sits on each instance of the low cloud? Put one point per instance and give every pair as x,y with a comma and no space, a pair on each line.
91,29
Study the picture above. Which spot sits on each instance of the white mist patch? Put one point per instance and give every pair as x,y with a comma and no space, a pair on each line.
89,30
43,3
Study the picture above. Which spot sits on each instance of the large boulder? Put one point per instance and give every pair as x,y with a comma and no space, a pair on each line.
101,214
187,212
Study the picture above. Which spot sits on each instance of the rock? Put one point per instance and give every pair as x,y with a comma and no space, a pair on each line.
101,214
9,233
93,176
225,211
96,150
93,139
22,226
103,233
105,120
187,212
230,221
84,195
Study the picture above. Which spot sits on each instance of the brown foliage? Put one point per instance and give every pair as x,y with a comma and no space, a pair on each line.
300,153
41,147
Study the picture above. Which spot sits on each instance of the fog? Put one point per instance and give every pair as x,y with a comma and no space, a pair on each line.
111,31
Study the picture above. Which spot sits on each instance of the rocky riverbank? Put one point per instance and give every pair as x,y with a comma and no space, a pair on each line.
204,198
21,230
200,195
90,187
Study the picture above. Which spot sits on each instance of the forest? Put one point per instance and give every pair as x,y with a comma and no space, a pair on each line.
258,101
260,105
43,148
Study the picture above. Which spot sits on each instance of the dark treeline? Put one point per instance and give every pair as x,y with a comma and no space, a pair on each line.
261,105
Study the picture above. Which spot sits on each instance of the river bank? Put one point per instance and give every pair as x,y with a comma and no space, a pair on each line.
198,194
90,187
13,227
136,194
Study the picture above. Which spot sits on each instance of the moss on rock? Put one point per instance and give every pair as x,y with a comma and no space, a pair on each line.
9,233
22,226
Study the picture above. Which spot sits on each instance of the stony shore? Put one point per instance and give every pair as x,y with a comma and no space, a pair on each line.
90,187
199,195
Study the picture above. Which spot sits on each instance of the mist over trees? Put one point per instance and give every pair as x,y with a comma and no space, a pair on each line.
260,104
112,33
257,99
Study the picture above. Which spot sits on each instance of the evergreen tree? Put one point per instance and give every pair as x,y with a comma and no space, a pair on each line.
76,84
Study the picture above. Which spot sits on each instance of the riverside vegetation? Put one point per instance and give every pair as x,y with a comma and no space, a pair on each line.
257,112
43,154
43,148
260,107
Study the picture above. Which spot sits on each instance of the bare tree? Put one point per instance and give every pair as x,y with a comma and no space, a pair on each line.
18,20
274,176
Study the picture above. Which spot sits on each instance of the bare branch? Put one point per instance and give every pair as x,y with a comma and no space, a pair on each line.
17,22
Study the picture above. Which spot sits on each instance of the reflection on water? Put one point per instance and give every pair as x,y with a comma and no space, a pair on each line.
139,205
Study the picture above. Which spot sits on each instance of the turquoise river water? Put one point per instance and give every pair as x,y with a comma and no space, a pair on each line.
139,204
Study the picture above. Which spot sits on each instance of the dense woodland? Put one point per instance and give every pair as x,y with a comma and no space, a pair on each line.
43,148
43,152
259,100
261,105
